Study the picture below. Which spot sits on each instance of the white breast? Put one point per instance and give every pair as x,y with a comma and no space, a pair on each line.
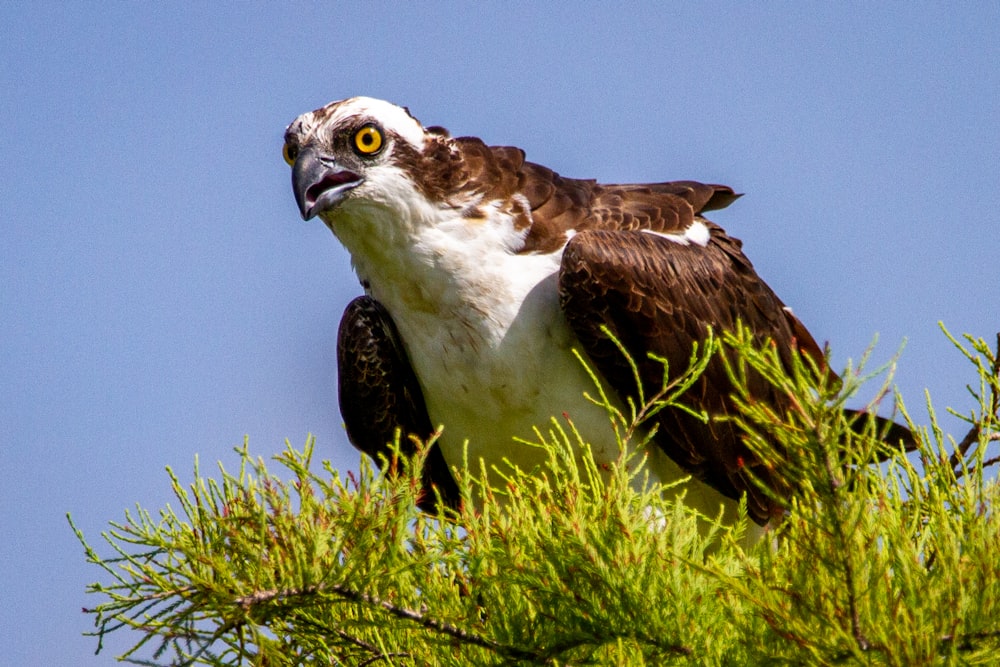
494,357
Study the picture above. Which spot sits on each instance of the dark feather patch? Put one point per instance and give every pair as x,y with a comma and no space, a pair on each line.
379,393
659,296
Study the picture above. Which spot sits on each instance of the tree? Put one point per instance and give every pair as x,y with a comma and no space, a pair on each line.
573,564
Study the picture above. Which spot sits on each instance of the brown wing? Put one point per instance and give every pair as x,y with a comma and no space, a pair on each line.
379,393
659,296
559,205
464,172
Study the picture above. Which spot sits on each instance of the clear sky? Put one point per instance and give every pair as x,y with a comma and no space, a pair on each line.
160,297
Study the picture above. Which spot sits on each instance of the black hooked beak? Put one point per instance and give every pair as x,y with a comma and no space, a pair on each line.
319,183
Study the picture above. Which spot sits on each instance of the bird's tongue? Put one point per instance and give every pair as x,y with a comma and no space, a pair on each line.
328,182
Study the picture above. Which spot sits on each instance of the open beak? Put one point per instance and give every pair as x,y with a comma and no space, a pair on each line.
320,183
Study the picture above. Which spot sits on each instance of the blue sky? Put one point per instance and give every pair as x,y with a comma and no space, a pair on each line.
161,298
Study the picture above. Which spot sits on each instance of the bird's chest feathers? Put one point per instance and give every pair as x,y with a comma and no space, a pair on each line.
499,362
482,326
476,319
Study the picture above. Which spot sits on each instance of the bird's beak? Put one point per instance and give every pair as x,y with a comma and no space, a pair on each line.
320,183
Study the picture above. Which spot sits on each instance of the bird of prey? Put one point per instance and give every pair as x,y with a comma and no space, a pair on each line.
483,271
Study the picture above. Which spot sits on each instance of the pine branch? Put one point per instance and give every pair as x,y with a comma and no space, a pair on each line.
576,563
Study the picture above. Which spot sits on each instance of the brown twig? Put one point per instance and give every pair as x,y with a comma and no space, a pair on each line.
371,648
453,631
958,456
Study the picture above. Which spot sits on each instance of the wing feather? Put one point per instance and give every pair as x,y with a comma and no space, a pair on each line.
379,394
657,296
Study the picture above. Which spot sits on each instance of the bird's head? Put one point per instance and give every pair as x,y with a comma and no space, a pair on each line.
352,150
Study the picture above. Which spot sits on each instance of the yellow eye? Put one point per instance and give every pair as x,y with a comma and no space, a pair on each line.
368,140
290,151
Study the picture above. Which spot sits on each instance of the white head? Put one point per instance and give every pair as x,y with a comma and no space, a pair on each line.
405,201
338,148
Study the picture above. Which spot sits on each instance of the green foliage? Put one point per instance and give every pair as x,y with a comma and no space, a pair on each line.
577,564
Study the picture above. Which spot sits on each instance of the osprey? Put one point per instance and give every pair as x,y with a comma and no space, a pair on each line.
482,272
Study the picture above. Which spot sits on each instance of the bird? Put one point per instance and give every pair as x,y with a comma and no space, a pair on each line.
483,273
